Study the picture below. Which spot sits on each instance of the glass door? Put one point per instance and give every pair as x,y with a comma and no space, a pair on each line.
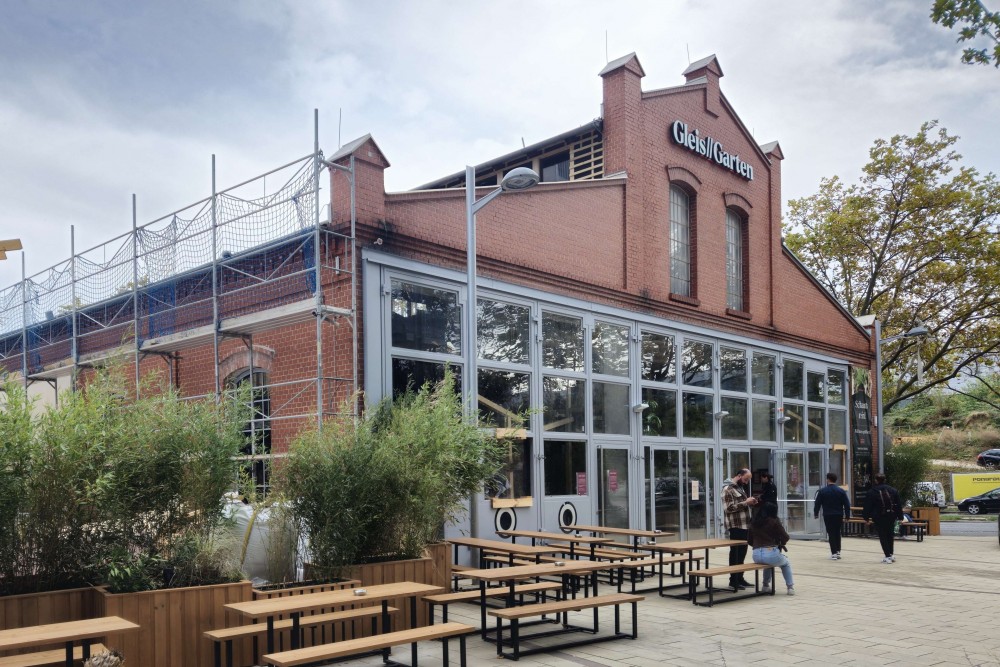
678,492
612,494
800,475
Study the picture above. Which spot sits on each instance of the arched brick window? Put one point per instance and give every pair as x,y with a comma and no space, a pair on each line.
257,431
681,242
735,260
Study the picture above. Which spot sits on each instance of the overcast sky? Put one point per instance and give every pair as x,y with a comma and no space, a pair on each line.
99,100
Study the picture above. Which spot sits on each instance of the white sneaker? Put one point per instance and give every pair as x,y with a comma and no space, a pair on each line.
892,558
791,590
834,556
838,555
766,588
887,559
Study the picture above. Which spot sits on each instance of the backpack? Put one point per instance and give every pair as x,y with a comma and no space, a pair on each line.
886,501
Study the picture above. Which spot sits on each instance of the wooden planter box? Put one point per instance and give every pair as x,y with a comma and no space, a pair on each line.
932,515
172,622
19,611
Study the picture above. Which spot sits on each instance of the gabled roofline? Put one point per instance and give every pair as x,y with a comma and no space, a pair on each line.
815,281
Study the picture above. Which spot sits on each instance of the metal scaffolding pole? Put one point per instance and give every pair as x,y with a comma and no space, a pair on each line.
24,323
215,289
74,350
135,292
317,257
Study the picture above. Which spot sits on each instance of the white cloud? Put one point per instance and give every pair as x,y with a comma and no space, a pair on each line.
130,97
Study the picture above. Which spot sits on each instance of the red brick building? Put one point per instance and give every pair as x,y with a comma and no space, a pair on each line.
638,305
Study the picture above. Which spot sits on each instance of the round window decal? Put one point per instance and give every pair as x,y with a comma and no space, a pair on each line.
504,520
567,517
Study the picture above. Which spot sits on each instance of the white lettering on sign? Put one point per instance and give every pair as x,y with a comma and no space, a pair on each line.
710,149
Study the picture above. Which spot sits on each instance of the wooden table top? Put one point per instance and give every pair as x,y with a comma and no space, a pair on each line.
497,545
294,603
566,537
693,545
631,532
518,572
53,633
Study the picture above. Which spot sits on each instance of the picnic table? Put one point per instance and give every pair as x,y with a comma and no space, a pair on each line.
68,633
573,540
688,547
509,576
295,605
510,548
634,533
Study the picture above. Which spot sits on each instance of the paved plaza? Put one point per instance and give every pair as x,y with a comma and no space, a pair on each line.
939,604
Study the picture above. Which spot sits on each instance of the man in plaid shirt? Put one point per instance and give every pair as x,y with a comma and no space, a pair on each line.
737,512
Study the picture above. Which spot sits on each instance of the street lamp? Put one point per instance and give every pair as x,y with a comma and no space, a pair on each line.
9,244
521,178
918,331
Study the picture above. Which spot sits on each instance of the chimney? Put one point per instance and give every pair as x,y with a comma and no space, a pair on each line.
708,72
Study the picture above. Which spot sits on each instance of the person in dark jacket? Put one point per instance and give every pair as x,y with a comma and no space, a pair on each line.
884,509
768,538
833,502
768,491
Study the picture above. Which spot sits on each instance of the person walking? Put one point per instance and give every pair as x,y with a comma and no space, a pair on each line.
737,506
833,502
884,509
768,538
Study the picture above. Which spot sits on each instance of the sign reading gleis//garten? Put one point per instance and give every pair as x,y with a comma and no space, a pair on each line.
710,149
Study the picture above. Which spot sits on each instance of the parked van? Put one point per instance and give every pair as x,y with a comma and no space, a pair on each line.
931,492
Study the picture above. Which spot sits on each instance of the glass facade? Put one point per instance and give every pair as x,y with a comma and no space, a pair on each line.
588,392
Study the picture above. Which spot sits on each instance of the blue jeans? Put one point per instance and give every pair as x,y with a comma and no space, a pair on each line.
773,556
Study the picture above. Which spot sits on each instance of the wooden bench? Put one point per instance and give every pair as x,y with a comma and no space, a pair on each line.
444,599
855,526
514,615
228,635
383,642
919,527
709,573
456,574
46,658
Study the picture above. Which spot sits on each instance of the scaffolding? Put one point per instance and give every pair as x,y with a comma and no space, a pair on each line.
240,265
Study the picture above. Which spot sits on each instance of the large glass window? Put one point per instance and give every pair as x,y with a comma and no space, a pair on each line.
504,398
697,415
425,318
792,375
763,374
735,424
412,374
838,427
680,242
565,404
835,386
734,260
816,426
732,369
514,481
815,384
503,332
565,467
764,415
562,342
660,418
697,364
609,354
611,408
658,360
793,423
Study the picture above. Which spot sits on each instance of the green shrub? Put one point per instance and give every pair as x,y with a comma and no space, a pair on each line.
385,485
905,465
98,488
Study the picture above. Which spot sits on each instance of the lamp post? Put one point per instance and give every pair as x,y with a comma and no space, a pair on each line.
9,244
521,178
918,331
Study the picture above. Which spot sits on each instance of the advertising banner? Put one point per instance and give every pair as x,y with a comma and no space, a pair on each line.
861,447
965,485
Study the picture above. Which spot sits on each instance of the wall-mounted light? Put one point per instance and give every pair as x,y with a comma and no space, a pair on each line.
782,419
639,407
721,414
